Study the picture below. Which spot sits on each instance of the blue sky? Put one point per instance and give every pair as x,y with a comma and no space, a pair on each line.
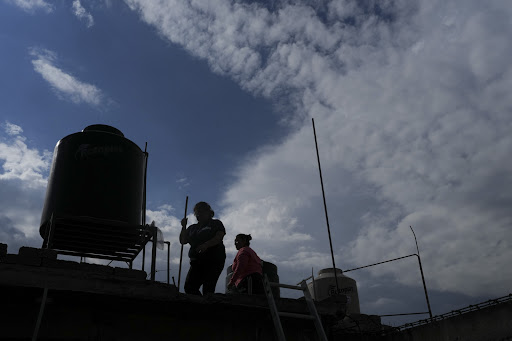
410,100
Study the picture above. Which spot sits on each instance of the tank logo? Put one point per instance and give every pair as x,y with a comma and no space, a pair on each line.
332,290
86,151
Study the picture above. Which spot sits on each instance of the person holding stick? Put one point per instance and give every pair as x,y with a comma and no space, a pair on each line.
207,252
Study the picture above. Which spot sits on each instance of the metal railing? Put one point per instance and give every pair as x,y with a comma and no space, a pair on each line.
422,277
458,312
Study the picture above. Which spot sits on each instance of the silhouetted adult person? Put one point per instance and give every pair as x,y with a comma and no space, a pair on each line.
207,252
246,265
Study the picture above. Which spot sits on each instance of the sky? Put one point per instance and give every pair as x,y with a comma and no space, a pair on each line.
411,106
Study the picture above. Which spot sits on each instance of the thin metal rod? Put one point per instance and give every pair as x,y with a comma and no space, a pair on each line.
419,262
306,279
48,234
40,315
273,309
297,316
181,252
145,182
49,244
287,286
386,261
422,276
325,208
144,201
168,260
45,290
153,252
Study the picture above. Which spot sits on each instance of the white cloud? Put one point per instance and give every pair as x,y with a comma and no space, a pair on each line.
166,207
271,222
413,113
64,84
163,219
21,162
183,182
12,129
82,14
32,5
23,183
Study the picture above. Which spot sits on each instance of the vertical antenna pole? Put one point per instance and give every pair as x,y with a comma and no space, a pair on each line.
168,260
325,209
181,252
154,238
144,204
145,181
421,270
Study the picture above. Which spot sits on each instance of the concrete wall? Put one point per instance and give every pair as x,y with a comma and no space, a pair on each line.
94,302
84,316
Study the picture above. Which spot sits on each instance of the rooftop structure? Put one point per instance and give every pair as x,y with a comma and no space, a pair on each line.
68,300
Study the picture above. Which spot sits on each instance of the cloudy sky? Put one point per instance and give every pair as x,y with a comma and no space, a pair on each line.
411,106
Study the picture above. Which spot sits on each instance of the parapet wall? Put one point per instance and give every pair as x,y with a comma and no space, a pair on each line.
95,302
491,322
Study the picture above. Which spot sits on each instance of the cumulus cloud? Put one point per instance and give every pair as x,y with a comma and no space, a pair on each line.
32,5
170,225
81,13
164,219
23,182
19,162
64,84
411,103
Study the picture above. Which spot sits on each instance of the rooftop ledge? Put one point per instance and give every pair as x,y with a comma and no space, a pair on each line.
40,268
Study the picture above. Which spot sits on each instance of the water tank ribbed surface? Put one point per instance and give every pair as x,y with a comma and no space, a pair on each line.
324,286
96,173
